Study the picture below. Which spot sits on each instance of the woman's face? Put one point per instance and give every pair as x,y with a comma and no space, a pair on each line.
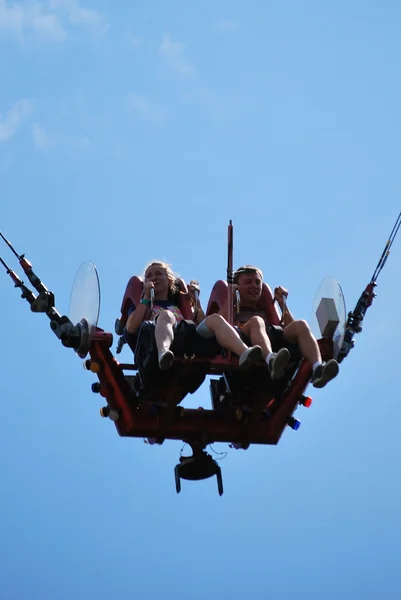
158,276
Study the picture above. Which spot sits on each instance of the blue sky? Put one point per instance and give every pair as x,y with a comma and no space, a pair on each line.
131,131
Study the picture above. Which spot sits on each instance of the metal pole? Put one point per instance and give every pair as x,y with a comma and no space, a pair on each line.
230,275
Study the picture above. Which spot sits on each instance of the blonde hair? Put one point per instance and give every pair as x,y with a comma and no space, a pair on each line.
173,287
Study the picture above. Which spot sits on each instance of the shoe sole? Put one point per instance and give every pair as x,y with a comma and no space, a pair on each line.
253,357
280,362
329,372
166,361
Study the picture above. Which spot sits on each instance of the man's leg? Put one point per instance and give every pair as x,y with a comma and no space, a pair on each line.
255,330
299,332
229,339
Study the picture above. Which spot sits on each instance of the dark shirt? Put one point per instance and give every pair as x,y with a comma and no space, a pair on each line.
247,313
158,307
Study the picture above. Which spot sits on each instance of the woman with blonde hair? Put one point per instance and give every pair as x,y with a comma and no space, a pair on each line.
168,317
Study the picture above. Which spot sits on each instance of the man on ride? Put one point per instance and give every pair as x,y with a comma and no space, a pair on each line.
255,326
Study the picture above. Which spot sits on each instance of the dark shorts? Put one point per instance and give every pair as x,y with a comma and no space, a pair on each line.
132,338
185,340
276,336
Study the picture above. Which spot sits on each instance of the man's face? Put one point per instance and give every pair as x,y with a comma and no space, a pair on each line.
158,276
250,289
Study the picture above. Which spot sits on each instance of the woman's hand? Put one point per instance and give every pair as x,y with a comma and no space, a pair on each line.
193,288
147,286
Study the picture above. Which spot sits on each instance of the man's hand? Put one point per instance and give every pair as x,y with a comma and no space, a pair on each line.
279,292
234,288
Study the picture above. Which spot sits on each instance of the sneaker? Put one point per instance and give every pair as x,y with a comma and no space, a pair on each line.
251,356
166,360
325,373
278,363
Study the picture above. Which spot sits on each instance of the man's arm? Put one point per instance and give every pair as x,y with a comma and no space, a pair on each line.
287,318
281,295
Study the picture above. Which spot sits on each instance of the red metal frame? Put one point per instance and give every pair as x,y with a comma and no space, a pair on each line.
219,294
191,425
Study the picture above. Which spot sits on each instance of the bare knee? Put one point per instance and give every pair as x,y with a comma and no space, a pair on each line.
302,327
166,318
256,322
213,321
296,330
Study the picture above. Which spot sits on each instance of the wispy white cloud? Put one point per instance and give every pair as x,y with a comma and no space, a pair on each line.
11,16
44,141
79,142
48,20
33,17
140,105
213,103
207,99
227,25
79,15
132,40
11,121
41,139
173,53
49,26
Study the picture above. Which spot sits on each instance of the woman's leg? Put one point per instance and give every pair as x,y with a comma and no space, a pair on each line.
164,334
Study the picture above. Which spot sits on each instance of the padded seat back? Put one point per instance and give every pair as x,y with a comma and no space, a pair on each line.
133,294
218,298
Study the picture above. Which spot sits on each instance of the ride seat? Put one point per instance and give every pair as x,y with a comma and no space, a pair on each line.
219,294
186,341
133,293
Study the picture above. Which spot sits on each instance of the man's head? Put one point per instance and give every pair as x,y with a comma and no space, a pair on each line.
249,281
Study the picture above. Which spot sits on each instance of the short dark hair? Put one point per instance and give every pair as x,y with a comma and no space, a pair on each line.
247,270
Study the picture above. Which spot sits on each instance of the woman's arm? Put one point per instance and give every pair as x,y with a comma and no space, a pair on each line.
199,315
138,315
197,310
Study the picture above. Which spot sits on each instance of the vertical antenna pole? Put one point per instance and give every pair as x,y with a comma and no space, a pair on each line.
230,275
